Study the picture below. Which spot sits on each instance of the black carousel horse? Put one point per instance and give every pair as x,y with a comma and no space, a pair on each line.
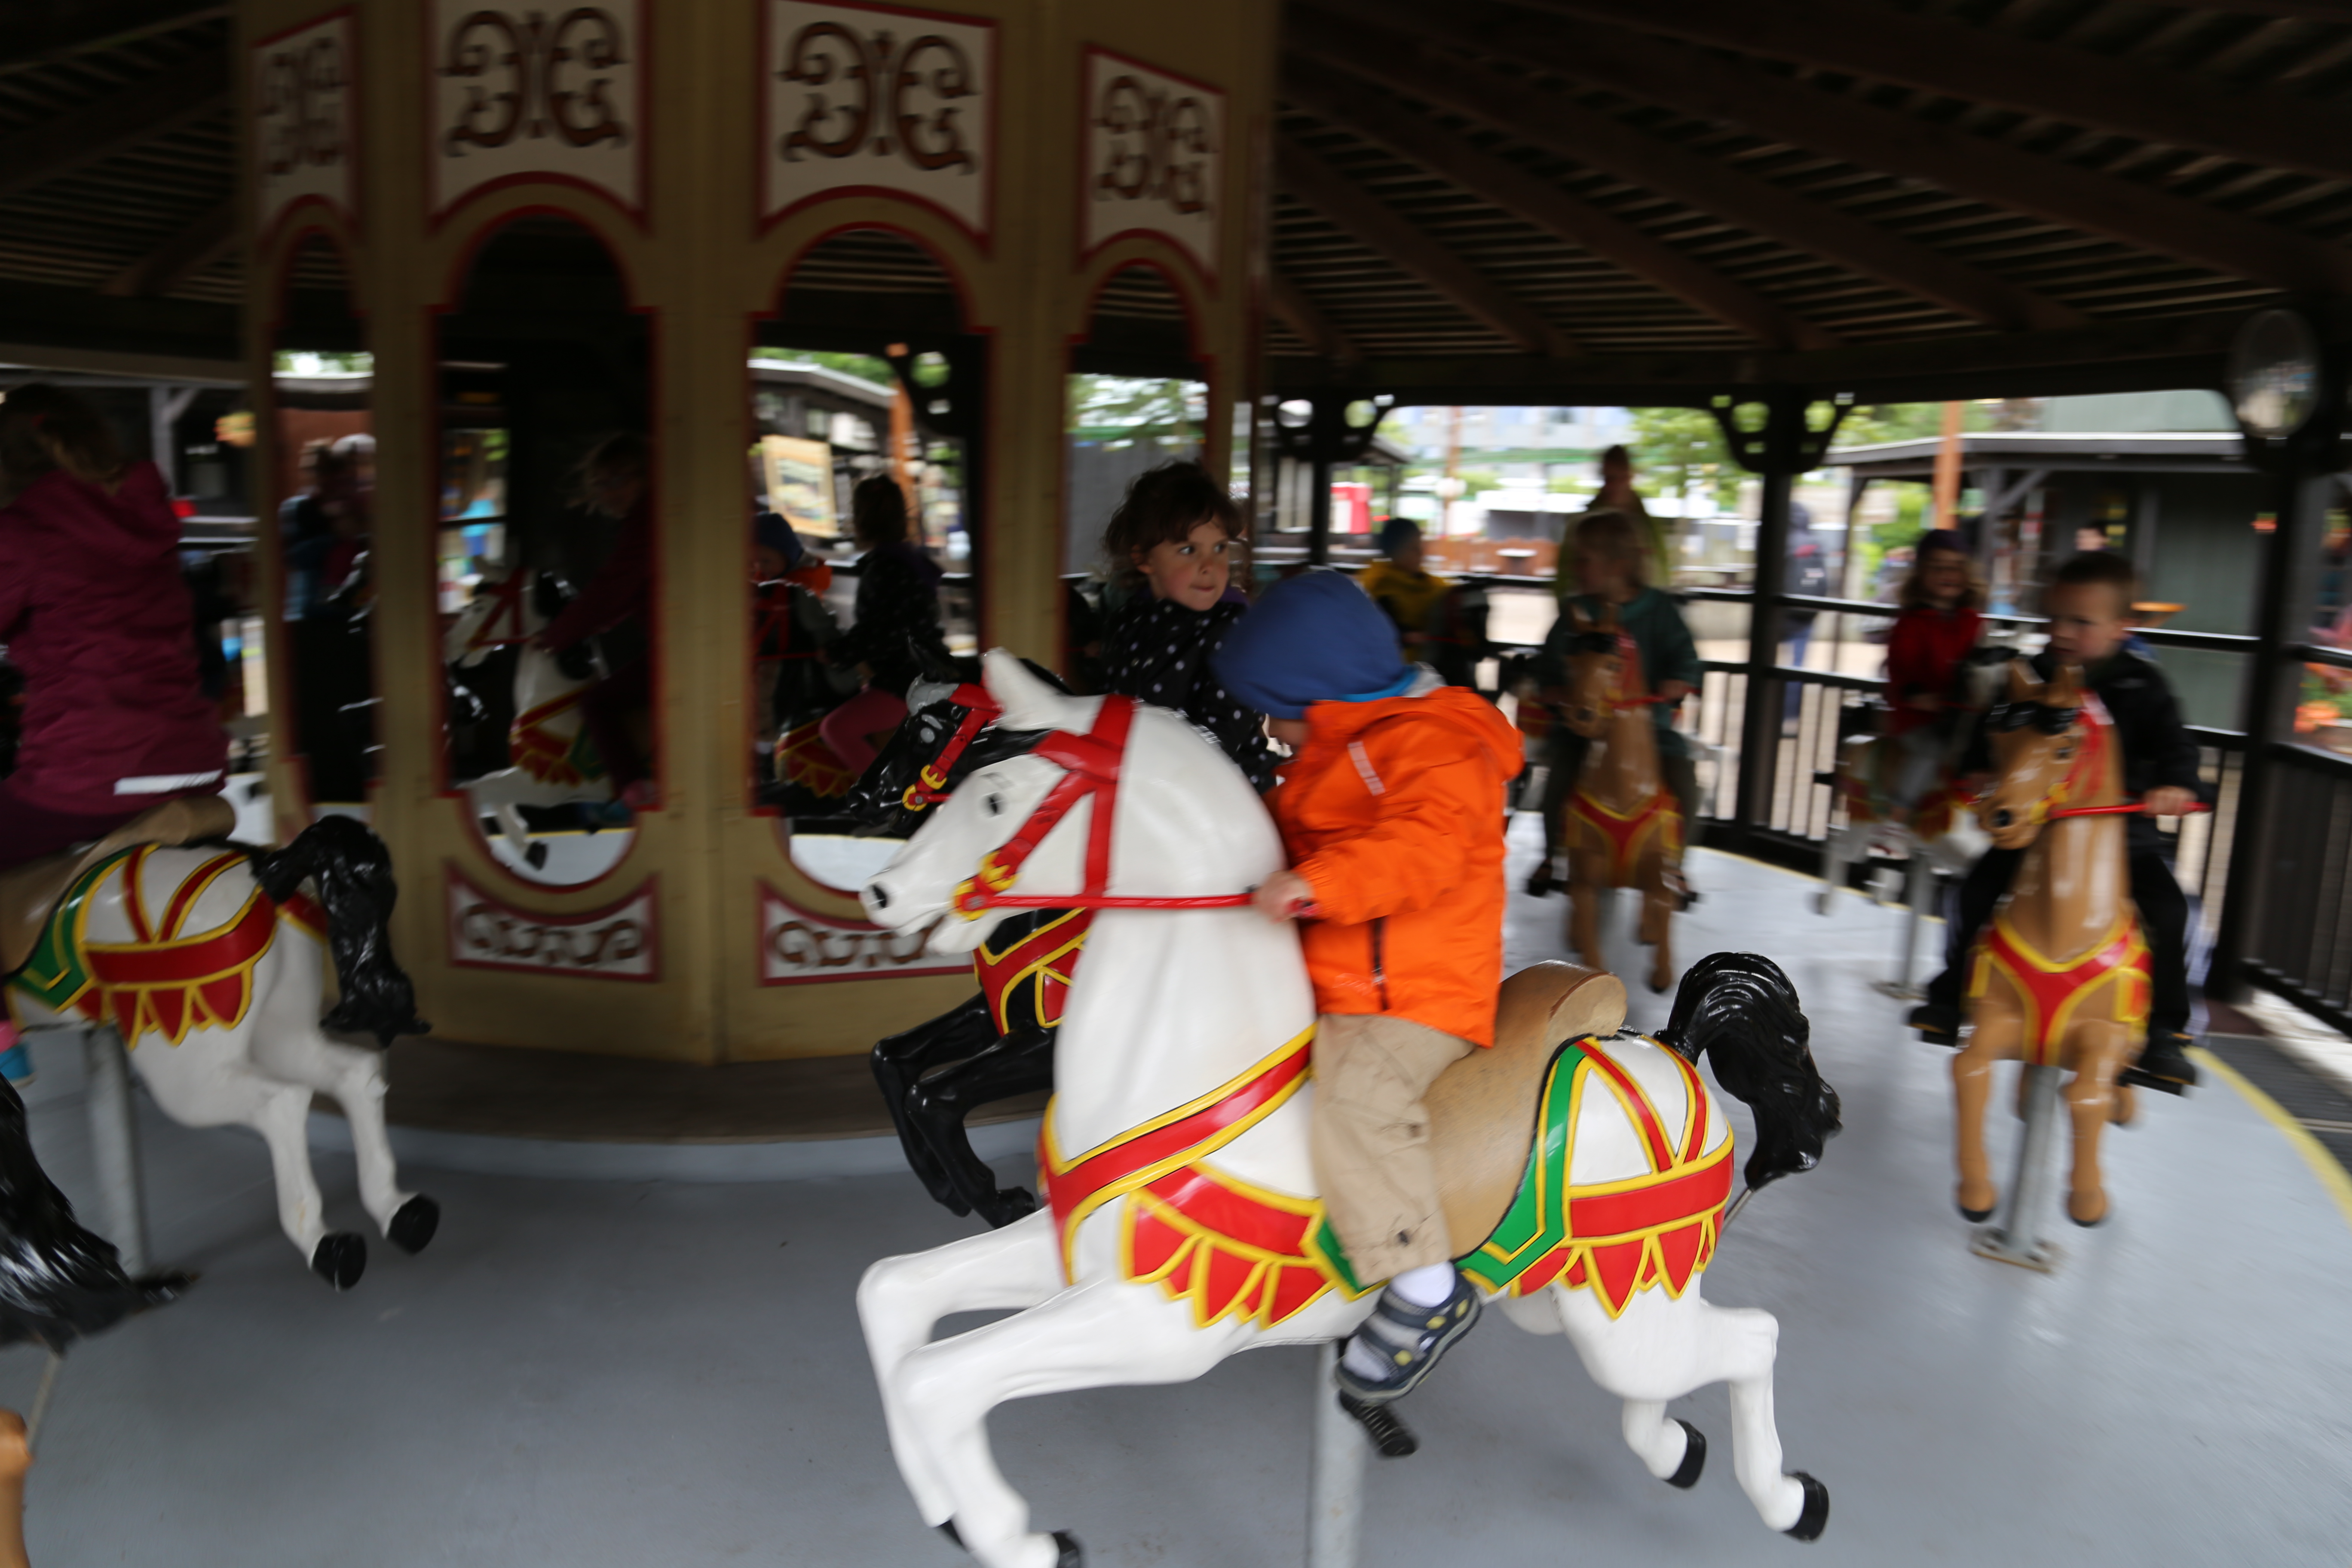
999,1045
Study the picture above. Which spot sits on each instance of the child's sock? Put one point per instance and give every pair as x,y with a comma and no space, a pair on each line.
1425,1287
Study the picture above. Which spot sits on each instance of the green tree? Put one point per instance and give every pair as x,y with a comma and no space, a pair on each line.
1676,449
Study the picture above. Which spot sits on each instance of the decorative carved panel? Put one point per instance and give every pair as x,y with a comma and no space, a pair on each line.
620,941
798,945
1155,158
304,84
867,99
553,94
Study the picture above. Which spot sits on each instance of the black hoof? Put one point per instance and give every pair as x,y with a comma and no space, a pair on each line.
2141,1079
1072,1555
2091,1224
1391,1436
1011,1204
536,857
1974,1216
414,1224
949,1530
1815,1516
341,1258
1693,1459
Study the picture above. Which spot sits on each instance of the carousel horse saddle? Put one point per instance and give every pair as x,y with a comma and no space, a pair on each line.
29,893
1483,1109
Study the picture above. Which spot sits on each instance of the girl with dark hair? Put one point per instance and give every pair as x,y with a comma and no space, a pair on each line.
1171,541
1938,627
897,622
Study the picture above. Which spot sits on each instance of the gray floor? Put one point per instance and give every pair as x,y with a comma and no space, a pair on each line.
586,1373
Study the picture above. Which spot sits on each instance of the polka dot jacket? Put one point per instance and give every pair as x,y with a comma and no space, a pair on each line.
1156,651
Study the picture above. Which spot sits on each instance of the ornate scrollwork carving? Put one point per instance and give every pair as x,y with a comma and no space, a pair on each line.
1158,147
298,124
537,101
886,76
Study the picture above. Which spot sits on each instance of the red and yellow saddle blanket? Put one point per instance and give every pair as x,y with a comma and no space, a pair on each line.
563,760
2050,991
1627,835
163,982
1027,979
1232,1248
802,758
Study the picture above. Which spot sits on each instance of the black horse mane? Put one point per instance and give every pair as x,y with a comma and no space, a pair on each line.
1740,1010
877,802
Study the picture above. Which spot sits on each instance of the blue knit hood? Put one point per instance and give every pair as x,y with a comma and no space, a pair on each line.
1315,637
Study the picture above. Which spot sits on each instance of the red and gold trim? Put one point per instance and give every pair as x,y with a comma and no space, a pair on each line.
1627,834
2050,991
169,984
543,754
1075,1188
1230,1248
1045,959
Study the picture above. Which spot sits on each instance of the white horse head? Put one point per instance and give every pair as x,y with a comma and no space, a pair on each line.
1187,824
501,611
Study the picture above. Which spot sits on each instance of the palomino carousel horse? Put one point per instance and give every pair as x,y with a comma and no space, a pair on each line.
2060,977
1624,827
1940,828
206,954
999,1045
554,762
1182,1225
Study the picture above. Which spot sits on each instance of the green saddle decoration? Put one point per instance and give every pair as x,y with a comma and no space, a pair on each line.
56,974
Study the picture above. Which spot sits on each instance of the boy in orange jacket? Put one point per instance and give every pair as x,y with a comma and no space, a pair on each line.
1392,810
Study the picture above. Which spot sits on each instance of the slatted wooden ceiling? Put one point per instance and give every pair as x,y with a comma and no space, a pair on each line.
1522,189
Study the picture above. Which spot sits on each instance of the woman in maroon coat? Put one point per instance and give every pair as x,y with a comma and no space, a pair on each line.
94,611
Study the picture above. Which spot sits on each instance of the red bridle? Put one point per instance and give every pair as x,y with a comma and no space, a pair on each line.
1090,765
929,787
2096,725
506,600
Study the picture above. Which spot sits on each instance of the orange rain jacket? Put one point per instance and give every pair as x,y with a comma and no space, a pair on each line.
1393,811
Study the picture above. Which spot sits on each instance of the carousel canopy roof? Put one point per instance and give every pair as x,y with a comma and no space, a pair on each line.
1519,200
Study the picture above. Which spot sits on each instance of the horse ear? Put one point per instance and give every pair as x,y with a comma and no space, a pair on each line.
1028,702
1577,618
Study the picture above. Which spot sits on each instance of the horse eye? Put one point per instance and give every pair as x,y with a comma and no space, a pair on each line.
997,805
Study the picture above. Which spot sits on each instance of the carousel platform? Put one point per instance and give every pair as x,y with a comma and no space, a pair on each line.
670,1371
498,1111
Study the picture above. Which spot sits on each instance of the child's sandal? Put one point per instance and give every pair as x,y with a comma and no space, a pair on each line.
1408,1340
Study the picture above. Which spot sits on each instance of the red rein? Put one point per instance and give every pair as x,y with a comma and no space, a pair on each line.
1090,765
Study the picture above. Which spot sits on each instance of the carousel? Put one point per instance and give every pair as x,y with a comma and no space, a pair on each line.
865,1115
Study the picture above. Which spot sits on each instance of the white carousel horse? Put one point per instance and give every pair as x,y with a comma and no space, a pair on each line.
207,959
1942,836
554,761
1152,1263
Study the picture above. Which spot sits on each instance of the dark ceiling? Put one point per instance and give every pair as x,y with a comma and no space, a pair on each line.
1506,200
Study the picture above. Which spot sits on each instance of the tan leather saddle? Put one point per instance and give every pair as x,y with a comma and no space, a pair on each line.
1482,1110
29,893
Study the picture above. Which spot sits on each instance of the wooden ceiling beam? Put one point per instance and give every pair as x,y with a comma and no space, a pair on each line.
1544,117
47,30
123,117
1706,85
1351,103
1870,39
210,236
1291,306
1349,206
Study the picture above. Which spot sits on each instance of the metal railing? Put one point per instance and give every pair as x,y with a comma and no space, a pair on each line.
2300,945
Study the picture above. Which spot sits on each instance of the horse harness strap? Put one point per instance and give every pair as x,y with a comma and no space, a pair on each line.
930,785
1090,765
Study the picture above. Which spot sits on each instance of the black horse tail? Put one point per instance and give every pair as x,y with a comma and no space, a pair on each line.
1740,1009
352,871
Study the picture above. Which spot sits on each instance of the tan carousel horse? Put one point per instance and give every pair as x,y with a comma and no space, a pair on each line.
1624,827
2060,977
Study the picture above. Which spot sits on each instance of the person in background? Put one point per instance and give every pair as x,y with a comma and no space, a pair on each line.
1617,494
1809,575
1405,593
616,481
1941,620
95,614
1606,556
1172,541
791,627
2089,603
897,610
1390,809
320,525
